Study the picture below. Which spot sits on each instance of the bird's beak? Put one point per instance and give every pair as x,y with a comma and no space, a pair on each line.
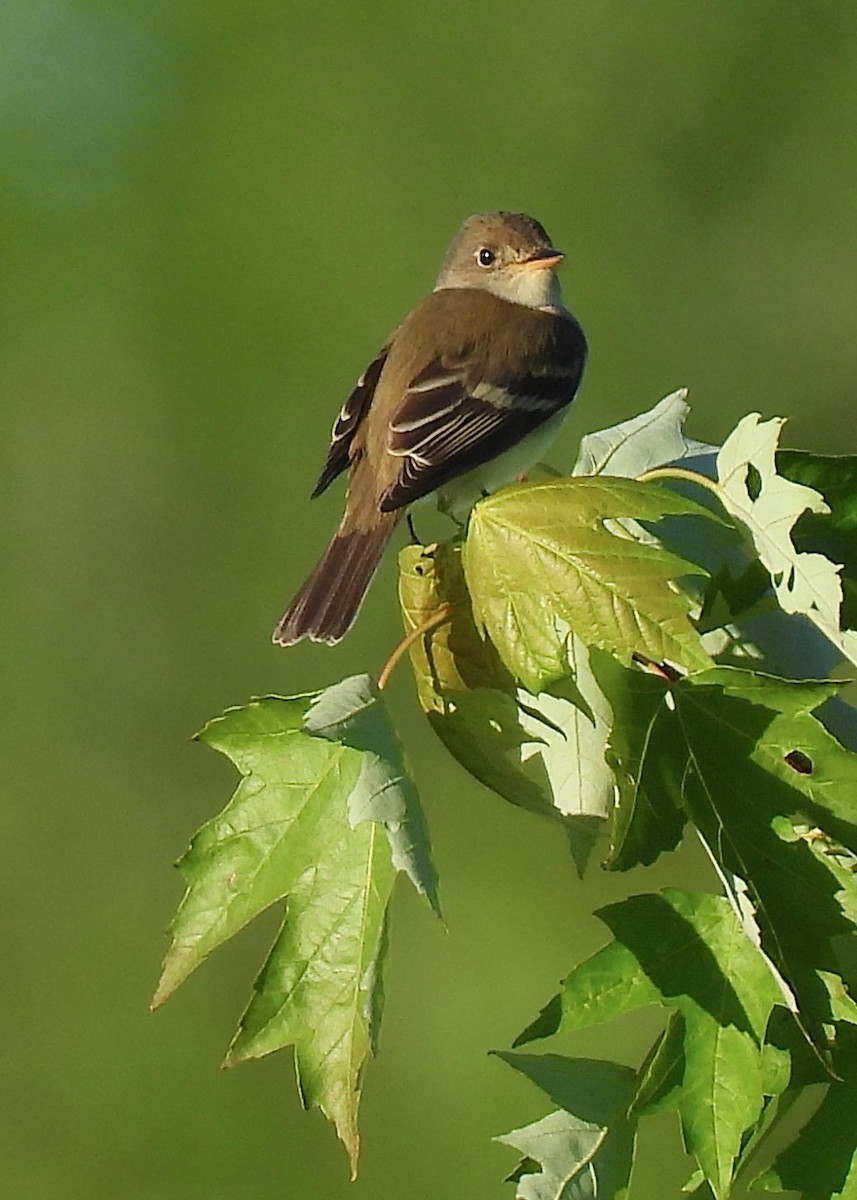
543,260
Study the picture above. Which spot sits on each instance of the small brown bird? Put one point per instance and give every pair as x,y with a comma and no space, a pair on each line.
465,395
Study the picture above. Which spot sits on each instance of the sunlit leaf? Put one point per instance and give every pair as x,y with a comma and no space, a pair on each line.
541,562
649,440
323,806
768,505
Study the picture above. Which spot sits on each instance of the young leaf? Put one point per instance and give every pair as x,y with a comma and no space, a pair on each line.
540,562
768,506
453,657
544,753
689,952
469,697
585,1149
306,822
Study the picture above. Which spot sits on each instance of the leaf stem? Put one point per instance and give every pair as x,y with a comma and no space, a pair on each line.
682,473
438,617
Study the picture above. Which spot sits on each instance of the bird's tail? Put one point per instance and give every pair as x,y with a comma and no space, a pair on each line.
326,606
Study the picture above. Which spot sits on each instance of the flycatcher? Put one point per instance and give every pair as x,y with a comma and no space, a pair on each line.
465,395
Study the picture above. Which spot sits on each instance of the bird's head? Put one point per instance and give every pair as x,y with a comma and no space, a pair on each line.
509,254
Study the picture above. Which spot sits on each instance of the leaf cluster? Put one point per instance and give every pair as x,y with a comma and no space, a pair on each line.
641,652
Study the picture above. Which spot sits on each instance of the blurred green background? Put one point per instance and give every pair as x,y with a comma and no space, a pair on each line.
211,214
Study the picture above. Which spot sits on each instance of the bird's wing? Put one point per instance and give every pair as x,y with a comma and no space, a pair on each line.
345,426
454,418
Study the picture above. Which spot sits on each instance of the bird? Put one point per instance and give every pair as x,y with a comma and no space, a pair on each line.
464,396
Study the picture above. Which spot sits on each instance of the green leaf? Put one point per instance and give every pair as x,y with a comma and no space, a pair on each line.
747,795
642,443
689,952
352,714
606,986
453,657
320,988
245,859
648,764
821,1164
587,1148
569,726
660,1077
317,818
789,1063
835,476
467,694
544,753
768,506
796,747
702,748
541,562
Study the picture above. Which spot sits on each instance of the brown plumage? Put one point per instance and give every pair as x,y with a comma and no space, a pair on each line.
481,369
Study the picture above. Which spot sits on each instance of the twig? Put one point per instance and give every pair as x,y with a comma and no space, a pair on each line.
438,617
682,473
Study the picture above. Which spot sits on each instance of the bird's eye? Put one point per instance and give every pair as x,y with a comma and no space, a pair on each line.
485,257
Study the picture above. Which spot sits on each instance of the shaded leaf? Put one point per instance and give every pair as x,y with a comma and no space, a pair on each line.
660,1077
453,657
570,736
747,804
544,753
467,694
648,764
351,713
584,1150
796,747
821,1164
541,562
689,952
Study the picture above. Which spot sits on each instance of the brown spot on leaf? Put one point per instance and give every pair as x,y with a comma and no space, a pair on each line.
800,762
